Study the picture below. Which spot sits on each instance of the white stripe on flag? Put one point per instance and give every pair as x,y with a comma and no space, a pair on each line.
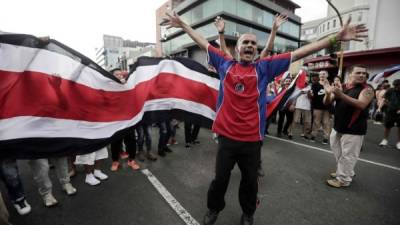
30,126
19,59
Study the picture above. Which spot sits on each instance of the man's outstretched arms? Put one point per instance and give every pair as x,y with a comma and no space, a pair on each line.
347,33
175,21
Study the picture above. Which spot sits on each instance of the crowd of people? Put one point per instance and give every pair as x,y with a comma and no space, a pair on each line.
309,113
240,122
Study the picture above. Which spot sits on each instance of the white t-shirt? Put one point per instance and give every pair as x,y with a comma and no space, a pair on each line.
303,102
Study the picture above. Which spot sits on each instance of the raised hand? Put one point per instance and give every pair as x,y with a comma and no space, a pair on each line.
219,24
352,32
279,20
174,21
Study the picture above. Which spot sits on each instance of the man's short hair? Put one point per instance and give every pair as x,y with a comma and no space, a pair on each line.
396,82
357,65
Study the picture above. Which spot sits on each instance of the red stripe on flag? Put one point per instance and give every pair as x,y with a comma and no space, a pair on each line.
38,94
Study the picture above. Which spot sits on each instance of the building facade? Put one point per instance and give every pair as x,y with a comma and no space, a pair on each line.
117,52
241,16
381,49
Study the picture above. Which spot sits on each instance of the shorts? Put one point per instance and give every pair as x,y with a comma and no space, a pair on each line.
391,119
89,159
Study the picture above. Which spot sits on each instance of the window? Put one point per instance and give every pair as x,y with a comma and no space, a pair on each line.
245,10
267,19
327,28
230,6
334,23
187,17
257,15
211,7
197,13
323,27
242,29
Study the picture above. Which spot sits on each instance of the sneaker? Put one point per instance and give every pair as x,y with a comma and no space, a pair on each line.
336,183
384,142
141,156
151,156
290,137
114,166
302,135
22,207
100,175
123,155
210,217
246,220
69,189
133,165
398,145
174,142
91,180
187,145
49,200
325,141
195,142
312,139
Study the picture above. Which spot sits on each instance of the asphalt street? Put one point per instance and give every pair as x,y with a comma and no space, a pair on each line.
293,190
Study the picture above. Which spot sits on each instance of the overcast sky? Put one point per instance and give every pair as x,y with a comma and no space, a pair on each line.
81,24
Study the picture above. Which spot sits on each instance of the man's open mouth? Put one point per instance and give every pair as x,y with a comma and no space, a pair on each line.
248,51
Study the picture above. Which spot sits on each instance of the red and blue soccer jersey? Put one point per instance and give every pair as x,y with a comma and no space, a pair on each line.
242,94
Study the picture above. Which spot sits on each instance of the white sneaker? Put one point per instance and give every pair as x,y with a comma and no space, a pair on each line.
22,207
91,180
49,200
69,189
100,175
398,145
384,142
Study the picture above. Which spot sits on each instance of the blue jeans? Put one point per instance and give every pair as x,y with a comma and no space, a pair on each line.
144,132
165,133
10,175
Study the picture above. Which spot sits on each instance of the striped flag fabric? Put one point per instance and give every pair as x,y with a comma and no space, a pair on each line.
289,94
300,82
56,102
378,78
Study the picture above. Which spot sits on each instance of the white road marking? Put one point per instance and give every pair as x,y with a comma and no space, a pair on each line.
175,205
330,152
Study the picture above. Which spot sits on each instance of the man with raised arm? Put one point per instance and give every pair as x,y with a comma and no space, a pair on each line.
241,109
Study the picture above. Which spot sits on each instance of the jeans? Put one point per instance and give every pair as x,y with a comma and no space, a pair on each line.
165,133
144,133
10,175
40,171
